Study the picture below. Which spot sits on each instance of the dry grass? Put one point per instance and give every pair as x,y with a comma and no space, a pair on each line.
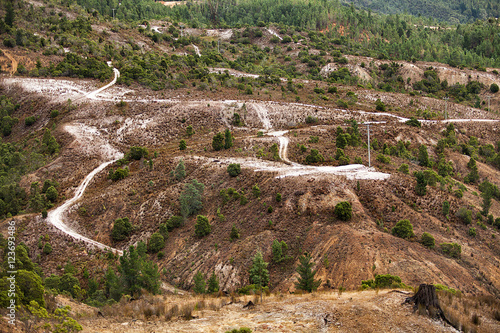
166,307
470,313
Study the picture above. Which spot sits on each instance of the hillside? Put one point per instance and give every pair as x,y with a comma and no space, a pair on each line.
140,158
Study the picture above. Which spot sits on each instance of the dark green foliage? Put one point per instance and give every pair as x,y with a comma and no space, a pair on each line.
413,122
343,211
49,143
67,283
494,88
218,141
54,113
403,229
28,121
342,139
404,168
428,240
446,207
465,215
240,330
473,175
423,156
202,226
256,191
259,274
213,284
235,233
383,159
199,283
136,273
383,281
452,249
306,280
380,106
10,17
180,171
279,251
278,197
30,287
237,120
118,174
122,228
156,243
233,169
191,198
52,282
228,139
52,194
472,232
189,130
421,187
311,120
445,168
47,248
314,157
182,145
136,153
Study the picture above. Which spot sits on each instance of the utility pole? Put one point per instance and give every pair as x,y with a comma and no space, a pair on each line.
113,13
218,45
489,97
446,107
369,158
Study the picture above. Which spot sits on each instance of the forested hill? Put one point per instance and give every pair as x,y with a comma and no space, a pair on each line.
453,11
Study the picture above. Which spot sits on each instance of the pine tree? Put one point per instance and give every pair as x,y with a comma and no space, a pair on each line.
277,251
423,156
228,139
259,275
9,14
191,198
130,268
180,171
202,226
182,145
235,234
199,283
421,188
306,281
213,283
473,175
218,141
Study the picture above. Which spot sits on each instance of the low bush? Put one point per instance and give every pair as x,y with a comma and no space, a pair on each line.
403,229
452,249
343,211
234,169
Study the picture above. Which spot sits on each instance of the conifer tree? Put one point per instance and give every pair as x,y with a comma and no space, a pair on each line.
306,281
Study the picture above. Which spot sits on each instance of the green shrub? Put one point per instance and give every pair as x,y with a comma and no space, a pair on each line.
192,198
52,194
202,226
383,159
54,113
189,130
47,248
182,145
404,168
218,141
28,121
234,169
446,207
311,120
174,222
136,153
472,232
452,249
413,122
403,229
465,215
269,209
383,281
379,105
314,157
235,233
278,197
256,191
156,243
421,187
279,250
494,88
428,240
122,228
343,211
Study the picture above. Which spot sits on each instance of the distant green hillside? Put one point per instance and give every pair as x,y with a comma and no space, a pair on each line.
453,11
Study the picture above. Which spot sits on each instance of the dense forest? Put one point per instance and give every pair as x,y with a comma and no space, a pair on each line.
452,11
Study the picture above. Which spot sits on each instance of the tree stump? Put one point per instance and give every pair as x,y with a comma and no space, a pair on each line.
426,297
